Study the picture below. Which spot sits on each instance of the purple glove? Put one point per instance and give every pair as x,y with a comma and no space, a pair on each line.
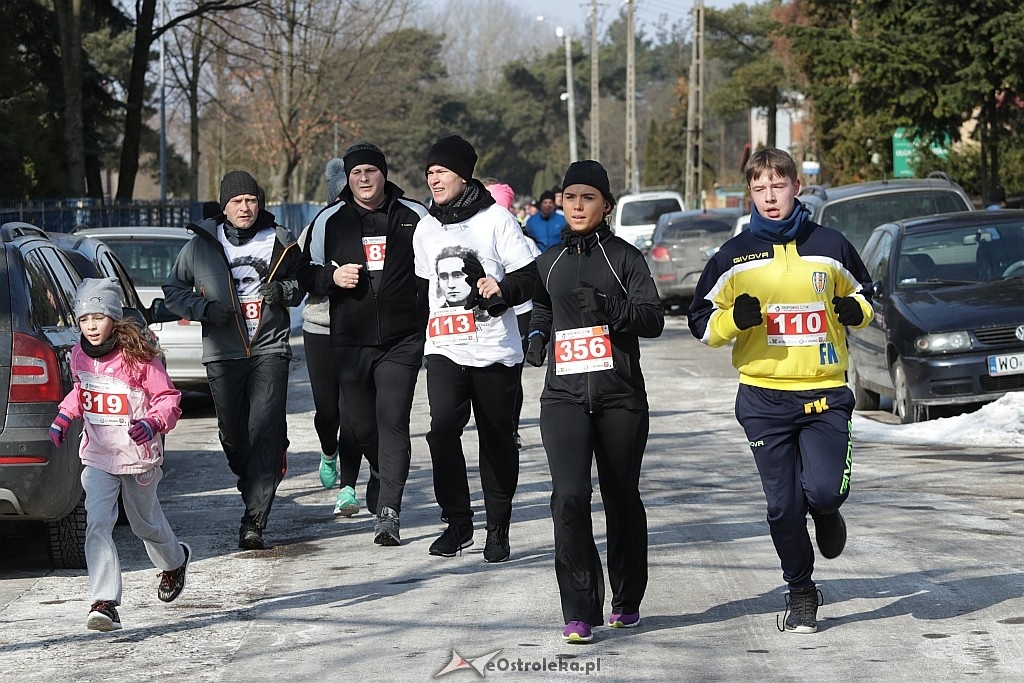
59,429
142,431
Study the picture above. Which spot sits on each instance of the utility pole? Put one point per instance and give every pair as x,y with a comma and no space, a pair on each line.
163,115
632,171
695,113
570,93
595,95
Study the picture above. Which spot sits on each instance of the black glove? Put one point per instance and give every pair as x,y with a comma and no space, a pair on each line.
589,298
474,271
535,350
746,311
218,313
272,293
848,310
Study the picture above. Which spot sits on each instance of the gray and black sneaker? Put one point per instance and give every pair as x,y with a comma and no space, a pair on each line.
830,532
385,530
496,549
801,610
250,536
103,616
172,582
452,540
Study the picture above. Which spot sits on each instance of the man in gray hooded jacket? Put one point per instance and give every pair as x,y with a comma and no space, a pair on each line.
237,277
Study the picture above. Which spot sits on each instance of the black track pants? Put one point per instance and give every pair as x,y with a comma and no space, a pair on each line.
617,439
331,417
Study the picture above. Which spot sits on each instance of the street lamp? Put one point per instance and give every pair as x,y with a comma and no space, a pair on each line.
570,92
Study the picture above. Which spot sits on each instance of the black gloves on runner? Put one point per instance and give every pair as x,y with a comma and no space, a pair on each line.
272,293
848,310
590,299
535,350
746,311
218,313
474,270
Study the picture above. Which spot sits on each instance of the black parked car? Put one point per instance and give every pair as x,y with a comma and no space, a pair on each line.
38,482
948,294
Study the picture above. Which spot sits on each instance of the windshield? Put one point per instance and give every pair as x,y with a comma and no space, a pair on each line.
647,211
857,217
148,259
694,227
977,253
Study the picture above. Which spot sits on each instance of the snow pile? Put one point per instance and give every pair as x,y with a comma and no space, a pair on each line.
996,425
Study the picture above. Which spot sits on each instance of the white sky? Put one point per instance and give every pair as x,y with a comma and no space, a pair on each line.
997,425
573,14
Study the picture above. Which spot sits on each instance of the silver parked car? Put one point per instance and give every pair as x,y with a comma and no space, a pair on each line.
149,254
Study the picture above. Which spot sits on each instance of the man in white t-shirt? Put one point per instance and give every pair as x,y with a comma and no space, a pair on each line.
472,348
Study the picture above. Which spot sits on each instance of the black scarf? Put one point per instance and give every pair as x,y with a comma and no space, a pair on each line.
237,237
473,199
99,350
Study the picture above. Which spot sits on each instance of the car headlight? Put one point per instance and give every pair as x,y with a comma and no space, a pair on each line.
944,342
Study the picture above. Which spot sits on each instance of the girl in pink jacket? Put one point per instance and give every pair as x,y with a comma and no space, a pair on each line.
126,400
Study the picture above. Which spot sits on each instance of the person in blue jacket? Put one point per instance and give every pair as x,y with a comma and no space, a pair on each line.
545,226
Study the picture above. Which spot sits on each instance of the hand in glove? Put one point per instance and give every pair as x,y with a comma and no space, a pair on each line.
535,349
59,429
474,271
746,311
589,298
218,313
142,431
272,293
848,310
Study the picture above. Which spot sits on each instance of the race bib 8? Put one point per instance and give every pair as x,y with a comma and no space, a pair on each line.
451,326
374,250
797,324
252,309
583,349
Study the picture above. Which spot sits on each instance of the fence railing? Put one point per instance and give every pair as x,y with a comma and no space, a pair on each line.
63,215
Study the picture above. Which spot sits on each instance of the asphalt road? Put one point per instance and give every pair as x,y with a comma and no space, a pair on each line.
931,586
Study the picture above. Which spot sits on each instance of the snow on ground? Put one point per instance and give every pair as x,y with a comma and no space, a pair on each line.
998,425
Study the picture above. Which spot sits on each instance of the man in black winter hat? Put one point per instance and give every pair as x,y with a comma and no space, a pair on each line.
238,276
473,351
359,254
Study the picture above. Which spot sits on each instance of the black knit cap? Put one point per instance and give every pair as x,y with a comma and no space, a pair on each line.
455,154
546,194
365,153
589,172
239,182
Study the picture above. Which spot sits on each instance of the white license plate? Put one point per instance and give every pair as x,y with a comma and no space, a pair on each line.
1007,364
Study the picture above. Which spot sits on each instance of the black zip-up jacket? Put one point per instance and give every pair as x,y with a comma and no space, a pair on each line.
366,315
201,275
632,310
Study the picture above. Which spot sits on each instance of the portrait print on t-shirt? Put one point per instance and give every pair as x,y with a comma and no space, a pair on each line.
452,283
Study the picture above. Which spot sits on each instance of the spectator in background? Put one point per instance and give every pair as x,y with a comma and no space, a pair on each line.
557,191
211,209
546,226
996,198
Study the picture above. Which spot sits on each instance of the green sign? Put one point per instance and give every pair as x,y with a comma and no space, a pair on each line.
903,149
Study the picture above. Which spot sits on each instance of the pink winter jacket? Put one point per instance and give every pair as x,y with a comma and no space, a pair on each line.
107,397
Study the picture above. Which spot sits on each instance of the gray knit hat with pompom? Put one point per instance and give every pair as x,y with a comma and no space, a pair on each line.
336,178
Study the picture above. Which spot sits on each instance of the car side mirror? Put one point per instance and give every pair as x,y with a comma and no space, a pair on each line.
159,313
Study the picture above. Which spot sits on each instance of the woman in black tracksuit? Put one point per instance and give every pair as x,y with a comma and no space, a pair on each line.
595,299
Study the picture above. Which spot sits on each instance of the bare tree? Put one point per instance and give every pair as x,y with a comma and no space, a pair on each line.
69,21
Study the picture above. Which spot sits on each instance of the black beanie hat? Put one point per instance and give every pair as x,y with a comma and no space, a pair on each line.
591,173
365,153
546,194
239,182
455,154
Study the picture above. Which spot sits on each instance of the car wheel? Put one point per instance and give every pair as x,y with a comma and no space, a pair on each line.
67,539
902,405
866,400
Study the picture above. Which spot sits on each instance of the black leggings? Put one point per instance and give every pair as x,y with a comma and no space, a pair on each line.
331,417
616,437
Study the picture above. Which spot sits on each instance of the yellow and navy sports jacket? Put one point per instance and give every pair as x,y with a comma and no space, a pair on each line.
800,345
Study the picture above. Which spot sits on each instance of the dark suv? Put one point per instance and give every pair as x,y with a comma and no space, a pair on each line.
857,208
38,482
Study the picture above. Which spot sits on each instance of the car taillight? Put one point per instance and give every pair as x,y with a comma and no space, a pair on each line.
35,376
660,254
